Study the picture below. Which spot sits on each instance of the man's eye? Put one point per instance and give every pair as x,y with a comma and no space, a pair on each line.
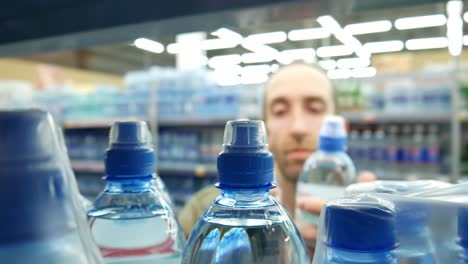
279,112
315,108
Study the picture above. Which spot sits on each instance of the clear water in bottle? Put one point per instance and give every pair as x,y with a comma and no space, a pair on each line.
132,221
43,220
327,171
245,224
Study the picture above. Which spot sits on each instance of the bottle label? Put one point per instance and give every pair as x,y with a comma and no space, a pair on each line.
392,154
143,240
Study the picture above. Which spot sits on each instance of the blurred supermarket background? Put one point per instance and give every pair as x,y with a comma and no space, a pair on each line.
400,69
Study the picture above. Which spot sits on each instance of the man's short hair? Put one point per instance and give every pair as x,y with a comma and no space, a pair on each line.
296,63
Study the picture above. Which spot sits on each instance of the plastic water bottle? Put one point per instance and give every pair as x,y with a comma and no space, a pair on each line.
417,152
463,235
432,153
42,217
327,171
131,220
379,145
358,233
415,237
245,224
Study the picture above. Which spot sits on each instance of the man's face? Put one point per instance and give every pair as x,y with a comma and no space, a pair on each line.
297,99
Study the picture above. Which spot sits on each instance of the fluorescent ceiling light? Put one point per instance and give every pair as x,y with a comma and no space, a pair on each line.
426,43
384,46
369,27
353,63
274,67
228,69
288,56
226,79
308,33
465,17
465,40
364,72
455,27
149,45
256,69
214,44
222,61
327,64
420,22
339,74
224,33
254,78
330,24
334,51
173,48
268,38
255,57
257,47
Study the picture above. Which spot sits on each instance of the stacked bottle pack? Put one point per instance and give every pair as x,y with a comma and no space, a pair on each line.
405,222
399,151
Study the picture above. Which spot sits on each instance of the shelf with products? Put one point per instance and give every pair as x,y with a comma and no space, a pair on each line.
172,169
370,118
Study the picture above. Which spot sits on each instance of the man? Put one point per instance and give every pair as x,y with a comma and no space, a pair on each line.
297,98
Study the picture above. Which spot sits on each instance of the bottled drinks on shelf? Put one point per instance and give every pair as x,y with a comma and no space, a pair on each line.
43,219
132,220
398,151
245,224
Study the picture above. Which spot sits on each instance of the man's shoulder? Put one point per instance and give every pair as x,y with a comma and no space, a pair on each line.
208,194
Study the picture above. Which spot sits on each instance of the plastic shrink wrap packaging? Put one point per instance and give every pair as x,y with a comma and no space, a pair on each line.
423,222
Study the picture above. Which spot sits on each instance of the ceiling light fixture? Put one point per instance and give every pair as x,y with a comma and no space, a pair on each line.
420,22
384,46
223,60
268,38
288,56
426,43
455,27
363,72
334,51
330,24
349,63
369,27
339,74
307,34
327,64
149,45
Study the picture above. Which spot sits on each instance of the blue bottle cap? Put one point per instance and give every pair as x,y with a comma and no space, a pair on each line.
364,227
332,136
245,161
130,153
33,181
463,226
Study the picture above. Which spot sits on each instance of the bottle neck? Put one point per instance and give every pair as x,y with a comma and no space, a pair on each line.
135,185
245,197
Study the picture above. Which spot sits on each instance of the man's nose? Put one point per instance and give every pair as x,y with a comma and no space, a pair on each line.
299,125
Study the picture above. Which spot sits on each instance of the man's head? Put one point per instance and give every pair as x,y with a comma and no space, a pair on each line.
297,97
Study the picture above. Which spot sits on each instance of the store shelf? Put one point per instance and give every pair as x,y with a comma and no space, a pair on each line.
188,170
363,117
97,123
174,169
218,121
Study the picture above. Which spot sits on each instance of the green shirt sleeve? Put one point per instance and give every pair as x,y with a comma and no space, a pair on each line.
195,207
